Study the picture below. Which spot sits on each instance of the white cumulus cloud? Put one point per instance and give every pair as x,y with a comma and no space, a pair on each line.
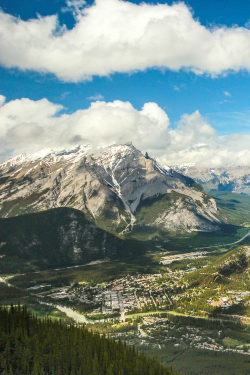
118,36
28,126
2,100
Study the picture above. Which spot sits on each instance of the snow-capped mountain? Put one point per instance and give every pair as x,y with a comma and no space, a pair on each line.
46,155
231,178
118,188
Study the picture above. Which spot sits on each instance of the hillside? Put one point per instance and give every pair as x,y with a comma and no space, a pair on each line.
59,237
231,270
118,188
32,346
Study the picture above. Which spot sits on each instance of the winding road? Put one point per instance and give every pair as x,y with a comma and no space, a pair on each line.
226,244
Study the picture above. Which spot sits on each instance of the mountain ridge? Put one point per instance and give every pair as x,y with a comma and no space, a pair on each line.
108,185
230,178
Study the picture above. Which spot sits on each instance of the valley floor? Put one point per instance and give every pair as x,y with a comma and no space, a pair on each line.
158,312
163,301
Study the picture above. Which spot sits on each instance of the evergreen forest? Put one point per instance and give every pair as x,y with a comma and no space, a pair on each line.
29,345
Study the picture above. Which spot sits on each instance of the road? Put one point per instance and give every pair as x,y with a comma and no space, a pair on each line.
152,298
226,244
137,301
4,280
121,306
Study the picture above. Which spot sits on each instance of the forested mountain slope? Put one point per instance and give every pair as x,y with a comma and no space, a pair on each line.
58,237
29,346
230,269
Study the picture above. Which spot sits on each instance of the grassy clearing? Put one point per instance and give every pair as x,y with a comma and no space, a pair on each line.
41,310
231,343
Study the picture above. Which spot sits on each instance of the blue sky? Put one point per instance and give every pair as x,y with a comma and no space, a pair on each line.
205,97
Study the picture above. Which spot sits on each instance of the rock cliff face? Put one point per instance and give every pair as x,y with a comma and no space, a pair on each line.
118,188
235,179
59,237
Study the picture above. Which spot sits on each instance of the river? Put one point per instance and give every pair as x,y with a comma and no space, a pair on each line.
79,318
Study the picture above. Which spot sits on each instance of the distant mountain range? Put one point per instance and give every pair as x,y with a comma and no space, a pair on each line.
234,179
118,189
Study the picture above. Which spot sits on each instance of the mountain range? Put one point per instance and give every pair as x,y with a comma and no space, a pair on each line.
118,188
229,178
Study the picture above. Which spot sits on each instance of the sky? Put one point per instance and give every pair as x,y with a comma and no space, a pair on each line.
172,77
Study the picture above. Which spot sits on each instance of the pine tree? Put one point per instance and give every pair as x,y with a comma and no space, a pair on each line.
96,367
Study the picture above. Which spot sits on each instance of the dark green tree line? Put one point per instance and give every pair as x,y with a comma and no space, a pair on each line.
29,345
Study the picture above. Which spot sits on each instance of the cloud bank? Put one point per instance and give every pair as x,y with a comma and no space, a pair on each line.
28,126
119,36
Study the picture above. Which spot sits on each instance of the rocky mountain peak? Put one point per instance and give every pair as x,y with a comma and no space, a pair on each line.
117,187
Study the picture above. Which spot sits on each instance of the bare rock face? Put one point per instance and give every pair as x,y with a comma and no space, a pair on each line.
234,179
117,188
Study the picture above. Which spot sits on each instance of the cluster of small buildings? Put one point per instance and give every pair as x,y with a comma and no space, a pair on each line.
132,293
178,257
233,298
129,301
156,332
110,302
126,294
